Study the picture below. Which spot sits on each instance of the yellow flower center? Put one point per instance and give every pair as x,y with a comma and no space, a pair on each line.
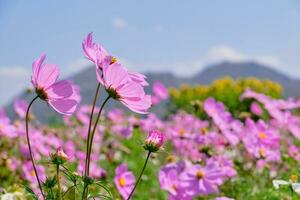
113,60
204,131
262,135
171,159
262,152
294,178
182,132
174,187
122,182
200,174
32,173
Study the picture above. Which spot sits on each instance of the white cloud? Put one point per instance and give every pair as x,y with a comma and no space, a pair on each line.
13,80
226,53
222,52
216,54
119,23
13,71
76,66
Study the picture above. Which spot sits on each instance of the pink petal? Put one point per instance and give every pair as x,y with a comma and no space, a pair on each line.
60,89
115,75
131,90
138,78
140,106
47,75
64,106
36,65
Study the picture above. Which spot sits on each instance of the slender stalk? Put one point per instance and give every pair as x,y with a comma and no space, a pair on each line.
75,195
88,157
90,125
93,134
29,146
51,191
58,182
141,174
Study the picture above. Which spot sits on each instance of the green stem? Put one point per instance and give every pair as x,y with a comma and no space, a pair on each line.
75,195
89,135
89,128
89,149
93,134
51,191
29,146
142,172
58,182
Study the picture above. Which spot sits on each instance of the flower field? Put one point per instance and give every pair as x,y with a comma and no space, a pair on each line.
232,139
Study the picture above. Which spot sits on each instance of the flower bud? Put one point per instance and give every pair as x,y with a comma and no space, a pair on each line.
59,157
154,141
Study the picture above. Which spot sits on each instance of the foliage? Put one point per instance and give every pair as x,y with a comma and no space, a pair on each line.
226,90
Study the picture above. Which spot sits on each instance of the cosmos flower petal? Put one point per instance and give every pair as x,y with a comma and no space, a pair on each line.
138,78
60,89
132,90
36,66
121,169
47,75
140,106
115,75
64,106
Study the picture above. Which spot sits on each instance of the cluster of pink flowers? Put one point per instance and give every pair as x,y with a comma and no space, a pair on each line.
229,127
193,140
203,150
184,180
279,111
262,141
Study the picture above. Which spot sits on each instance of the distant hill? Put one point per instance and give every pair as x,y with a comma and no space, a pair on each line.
87,82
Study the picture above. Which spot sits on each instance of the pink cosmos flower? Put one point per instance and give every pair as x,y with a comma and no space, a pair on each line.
201,180
98,55
83,113
225,164
120,123
151,122
279,110
293,151
154,141
124,180
62,96
261,140
94,51
256,109
169,180
229,127
13,164
120,87
20,107
6,128
160,92
29,174
96,171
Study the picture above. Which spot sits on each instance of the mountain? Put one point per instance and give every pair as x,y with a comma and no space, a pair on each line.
87,81
246,69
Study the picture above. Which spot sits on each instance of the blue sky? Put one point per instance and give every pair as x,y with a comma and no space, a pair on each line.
152,35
